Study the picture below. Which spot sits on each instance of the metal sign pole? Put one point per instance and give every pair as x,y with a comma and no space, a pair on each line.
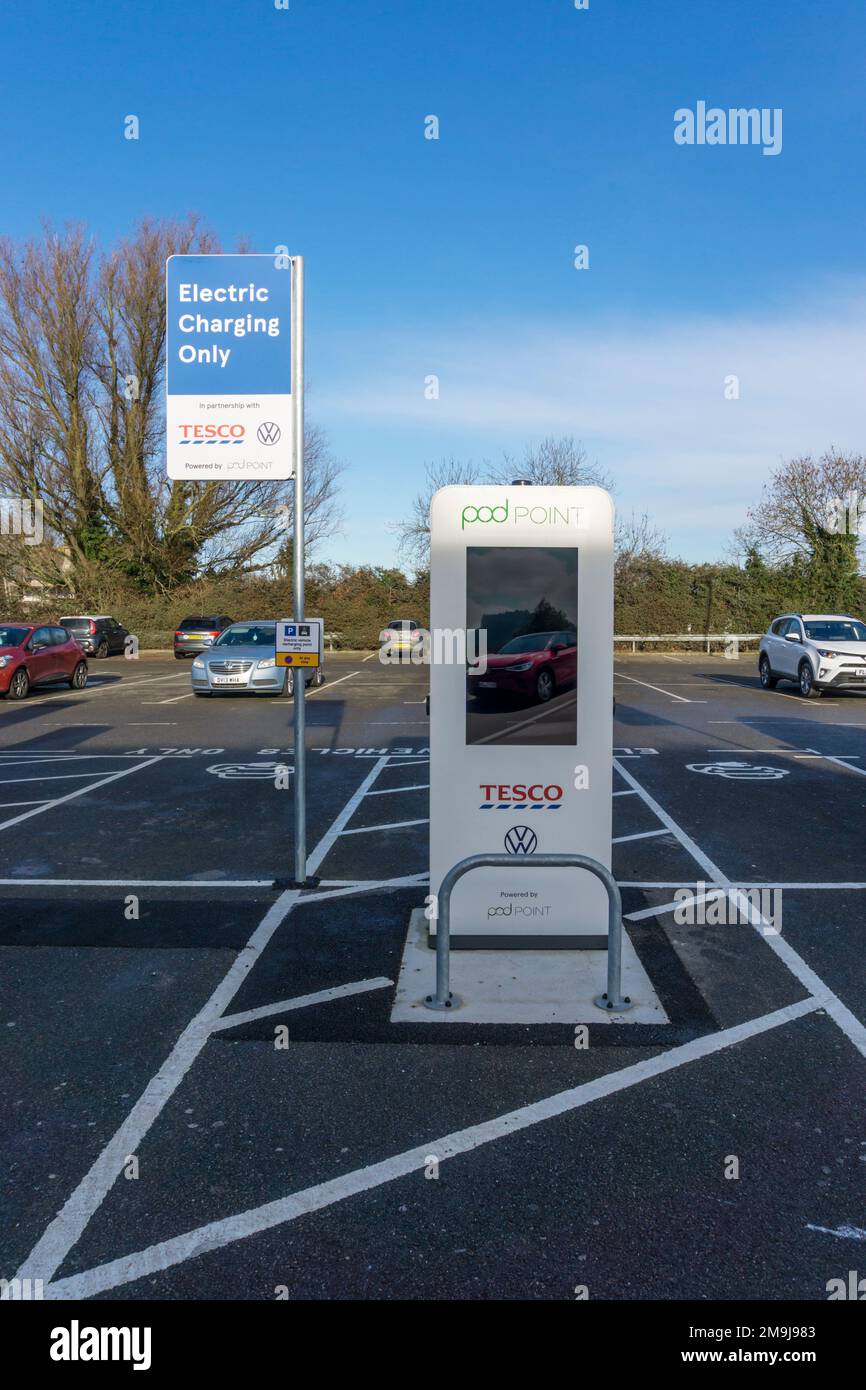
300,721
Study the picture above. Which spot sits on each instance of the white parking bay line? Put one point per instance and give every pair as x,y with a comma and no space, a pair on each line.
217,1234
45,777
303,1001
389,791
393,825
657,688
123,683
65,1230
82,791
842,1016
641,835
321,689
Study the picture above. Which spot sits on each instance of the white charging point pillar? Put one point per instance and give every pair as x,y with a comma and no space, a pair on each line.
521,718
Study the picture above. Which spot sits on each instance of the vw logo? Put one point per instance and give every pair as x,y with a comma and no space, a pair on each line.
268,433
521,840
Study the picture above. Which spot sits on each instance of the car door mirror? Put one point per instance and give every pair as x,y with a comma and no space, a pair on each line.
793,637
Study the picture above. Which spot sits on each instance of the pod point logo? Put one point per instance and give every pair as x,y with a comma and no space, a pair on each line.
484,514
537,515
521,839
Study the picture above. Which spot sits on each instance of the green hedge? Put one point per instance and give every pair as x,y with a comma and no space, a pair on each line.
655,596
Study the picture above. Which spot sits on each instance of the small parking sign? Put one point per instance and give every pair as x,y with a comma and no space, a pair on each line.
299,644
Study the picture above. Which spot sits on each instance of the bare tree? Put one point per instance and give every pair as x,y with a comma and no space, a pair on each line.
82,355
636,542
802,494
559,462
414,531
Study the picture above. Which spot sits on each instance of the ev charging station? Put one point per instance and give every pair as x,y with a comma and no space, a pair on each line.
521,735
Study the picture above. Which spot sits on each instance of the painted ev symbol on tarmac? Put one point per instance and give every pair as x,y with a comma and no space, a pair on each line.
246,772
740,772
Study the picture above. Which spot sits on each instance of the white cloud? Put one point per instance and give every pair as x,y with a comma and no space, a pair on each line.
645,396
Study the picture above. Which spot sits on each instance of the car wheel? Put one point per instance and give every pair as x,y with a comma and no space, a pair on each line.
180,656
19,685
289,683
806,681
102,650
768,680
319,677
78,679
544,686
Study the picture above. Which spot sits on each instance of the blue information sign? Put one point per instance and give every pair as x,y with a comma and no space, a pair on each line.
229,367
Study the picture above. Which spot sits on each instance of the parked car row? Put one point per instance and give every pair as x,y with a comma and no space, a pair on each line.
238,658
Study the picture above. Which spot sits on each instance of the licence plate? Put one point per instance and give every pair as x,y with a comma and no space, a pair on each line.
229,680
858,675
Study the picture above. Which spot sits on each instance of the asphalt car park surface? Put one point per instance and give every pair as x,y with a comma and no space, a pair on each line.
205,1094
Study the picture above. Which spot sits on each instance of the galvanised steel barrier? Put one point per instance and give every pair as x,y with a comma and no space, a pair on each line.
612,1000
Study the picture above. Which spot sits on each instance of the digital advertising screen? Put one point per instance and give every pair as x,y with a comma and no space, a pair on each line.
521,669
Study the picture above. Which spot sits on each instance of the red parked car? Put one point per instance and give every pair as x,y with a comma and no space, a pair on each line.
534,667
31,655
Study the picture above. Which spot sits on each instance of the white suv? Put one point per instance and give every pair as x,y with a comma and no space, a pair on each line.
816,651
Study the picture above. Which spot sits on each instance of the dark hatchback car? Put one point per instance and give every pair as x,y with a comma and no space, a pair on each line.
99,634
32,655
197,634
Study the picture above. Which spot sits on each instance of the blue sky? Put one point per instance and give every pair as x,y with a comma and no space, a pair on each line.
454,257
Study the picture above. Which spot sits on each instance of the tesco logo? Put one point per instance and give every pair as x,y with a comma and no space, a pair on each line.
519,796
211,434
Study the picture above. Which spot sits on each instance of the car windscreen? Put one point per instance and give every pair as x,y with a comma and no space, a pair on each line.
248,635
532,642
840,630
197,624
12,636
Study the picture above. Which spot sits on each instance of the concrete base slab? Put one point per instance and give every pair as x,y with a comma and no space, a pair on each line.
519,986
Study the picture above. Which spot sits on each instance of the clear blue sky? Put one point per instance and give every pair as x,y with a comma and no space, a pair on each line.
455,256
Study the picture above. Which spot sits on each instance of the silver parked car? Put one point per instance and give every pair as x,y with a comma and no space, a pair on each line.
242,661
817,651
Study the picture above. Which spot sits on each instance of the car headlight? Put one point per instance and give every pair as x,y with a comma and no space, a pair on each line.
198,665
519,666
266,663
4,661
824,651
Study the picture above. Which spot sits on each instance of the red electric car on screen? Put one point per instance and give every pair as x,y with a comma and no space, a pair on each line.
31,655
533,667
